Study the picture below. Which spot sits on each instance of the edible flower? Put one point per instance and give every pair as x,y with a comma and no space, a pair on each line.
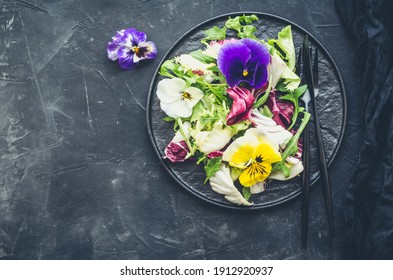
254,154
177,100
241,106
129,46
244,60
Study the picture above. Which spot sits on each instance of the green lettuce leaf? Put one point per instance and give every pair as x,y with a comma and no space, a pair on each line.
242,24
284,46
215,33
211,167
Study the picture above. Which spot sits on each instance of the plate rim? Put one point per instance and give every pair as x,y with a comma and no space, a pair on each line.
165,57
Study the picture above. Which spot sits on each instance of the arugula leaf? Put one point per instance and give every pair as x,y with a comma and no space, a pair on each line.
292,146
246,193
294,98
199,55
211,167
281,166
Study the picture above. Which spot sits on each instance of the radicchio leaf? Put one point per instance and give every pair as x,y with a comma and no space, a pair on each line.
282,110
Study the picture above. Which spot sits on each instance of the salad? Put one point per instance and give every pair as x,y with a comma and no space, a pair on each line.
234,104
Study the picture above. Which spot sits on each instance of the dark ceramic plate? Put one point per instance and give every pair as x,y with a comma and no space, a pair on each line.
331,104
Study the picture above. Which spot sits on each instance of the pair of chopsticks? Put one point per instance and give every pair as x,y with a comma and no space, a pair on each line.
311,76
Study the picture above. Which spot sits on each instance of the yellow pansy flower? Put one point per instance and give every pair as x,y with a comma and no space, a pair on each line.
253,153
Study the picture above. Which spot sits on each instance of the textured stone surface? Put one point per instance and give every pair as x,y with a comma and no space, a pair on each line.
79,177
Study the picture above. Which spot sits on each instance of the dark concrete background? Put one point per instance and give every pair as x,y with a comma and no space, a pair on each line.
78,176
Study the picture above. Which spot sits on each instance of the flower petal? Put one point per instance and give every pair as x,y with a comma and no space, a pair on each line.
118,39
195,93
256,172
125,59
169,90
240,152
112,50
259,52
150,49
181,109
231,61
244,61
168,109
260,76
267,153
134,37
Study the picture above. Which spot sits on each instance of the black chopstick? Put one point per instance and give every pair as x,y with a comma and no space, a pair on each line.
322,157
306,185
306,172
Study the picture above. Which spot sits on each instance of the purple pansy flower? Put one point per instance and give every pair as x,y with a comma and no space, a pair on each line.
130,47
245,60
241,106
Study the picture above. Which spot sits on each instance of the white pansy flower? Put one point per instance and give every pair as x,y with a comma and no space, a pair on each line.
176,99
222,183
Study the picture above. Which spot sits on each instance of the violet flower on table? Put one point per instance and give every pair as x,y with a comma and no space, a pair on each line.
129,46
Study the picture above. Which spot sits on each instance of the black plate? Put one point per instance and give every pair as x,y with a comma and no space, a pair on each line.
331,108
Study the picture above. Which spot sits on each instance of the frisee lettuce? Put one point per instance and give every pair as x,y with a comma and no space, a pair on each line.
242,24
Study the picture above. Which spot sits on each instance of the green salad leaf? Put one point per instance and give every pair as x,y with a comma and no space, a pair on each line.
215,33
242,24
292,146
285,47
211,167
294,98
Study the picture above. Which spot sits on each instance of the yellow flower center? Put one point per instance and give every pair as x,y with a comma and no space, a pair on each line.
186,95
135,50
245,73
